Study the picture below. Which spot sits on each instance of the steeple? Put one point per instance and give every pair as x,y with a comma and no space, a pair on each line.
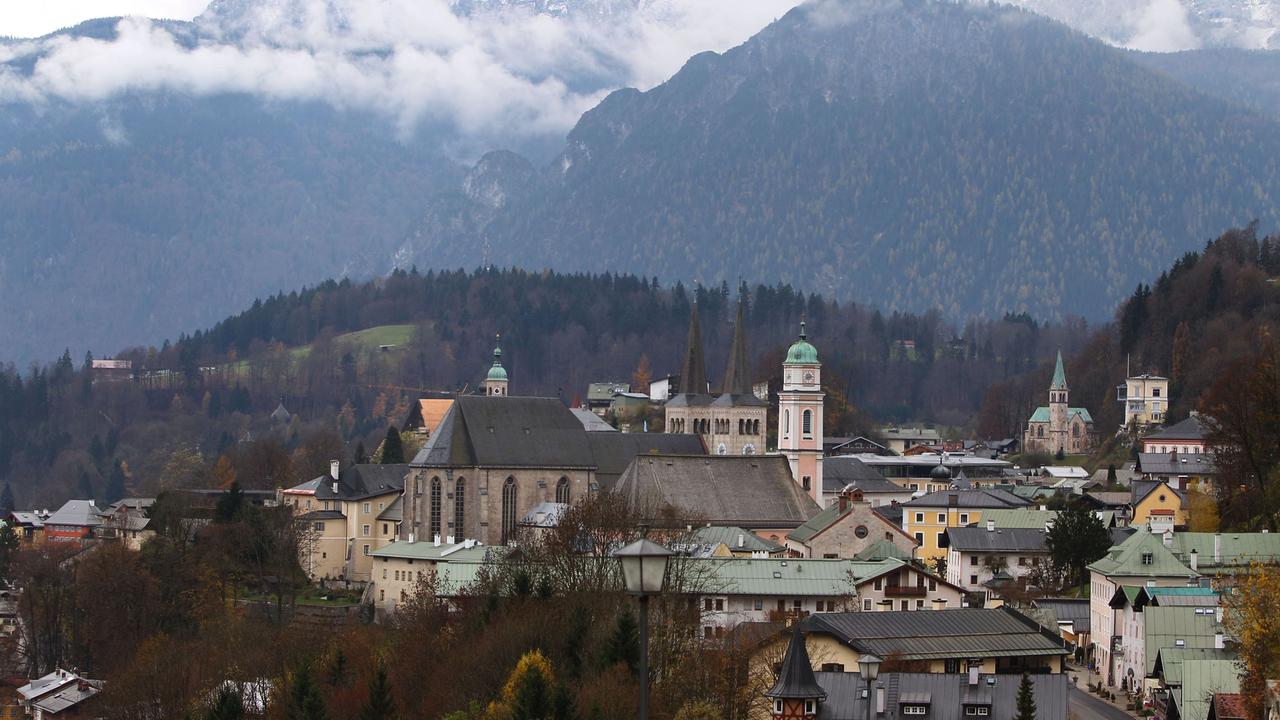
693,375
1059,375
795,679
737,375
496,382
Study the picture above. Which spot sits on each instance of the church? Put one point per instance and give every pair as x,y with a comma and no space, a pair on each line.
1059,427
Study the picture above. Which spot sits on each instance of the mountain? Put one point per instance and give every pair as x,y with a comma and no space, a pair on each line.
1250,78
1169,25
907,153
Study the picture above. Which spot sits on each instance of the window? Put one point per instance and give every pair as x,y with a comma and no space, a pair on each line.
777,704
866,604
964,518
308,504
459,507
973,579
807,482
797,605
759,604
786,423
920,539
808,707
952,666
920,517
1179,643
973,560
719,604
1155,392
382,595
1147,558
317,526
706,605
942,518
384,573
877,583
1022,562
919,604
509,510
707,631
905,605
367,508
933,585
808,422
562,490
366,550
434,518
832,667
914,709
384,528
365,530
861,531
983,711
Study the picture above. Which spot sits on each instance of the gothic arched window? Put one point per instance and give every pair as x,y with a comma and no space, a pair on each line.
562,491
786,423
459,508
435,507
508,510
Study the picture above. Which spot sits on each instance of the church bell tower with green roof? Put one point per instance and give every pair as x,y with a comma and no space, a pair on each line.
495,383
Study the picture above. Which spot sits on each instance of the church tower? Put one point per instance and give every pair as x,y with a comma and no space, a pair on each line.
800,406
495,383
796,694
1058,413
738,416
690,410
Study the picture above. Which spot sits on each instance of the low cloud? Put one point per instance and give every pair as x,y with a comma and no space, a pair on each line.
508,73
1163,26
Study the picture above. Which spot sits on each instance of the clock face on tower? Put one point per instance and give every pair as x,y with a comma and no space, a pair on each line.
808,377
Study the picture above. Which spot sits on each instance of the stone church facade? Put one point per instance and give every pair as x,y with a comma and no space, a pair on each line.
1058,427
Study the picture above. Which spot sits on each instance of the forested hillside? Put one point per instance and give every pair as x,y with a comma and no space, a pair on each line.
196,411
916,155
1211,308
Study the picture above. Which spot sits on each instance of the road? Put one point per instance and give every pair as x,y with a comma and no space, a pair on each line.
1083,706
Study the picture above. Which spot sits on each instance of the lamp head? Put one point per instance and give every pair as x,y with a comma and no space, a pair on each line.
644,566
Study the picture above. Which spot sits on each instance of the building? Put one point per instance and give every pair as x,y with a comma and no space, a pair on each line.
725,541
928,517
906,696
1157,505
796,694
916,472
978,558
846,528
842,473
731,423
126,521
1183,472
496,382
73,522
29,525
1188,437
60,694
836,446
347,515
600,395
1072,617
111,370
1145,399
425,414
950,641
800,411
1148,627
663,388
899,439
401,565
495,457
1058,427
756,493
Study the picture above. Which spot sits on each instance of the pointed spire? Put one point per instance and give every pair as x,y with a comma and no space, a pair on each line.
1059,375
795,679
737,376
693,375
496,371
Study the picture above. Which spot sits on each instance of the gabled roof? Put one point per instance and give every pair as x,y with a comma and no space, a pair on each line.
747,491
1019,518
882,550
948,696
1190,429
1127,559
604,391
592,422
841,470
1201,679
76,513
979,498
1169,661
1228,706
979,539
1064,471
1141,489
1166,626
394,511
464,551
357,482
939,634
613,452
803,577
507,432
739,540
1041,414
544,515
1235,550
1072,610
1177,464
831,515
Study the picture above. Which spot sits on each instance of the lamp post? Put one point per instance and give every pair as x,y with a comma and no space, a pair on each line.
869,668
644,570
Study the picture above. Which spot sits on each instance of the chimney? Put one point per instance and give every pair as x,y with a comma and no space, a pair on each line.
1042,508
1217,615
879,698
448,540
333,468
1219,641
953,500
991,526
974,669
411,537
1217,548
1195,559
742,539
844,503
1167,538
436,540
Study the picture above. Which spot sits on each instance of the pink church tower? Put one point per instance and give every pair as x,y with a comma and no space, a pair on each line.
800,407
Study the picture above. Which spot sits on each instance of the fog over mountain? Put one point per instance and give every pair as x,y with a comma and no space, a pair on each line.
1169,25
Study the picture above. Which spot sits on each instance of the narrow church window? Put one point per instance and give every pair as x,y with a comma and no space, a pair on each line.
808,422
786,423
459,507
435,507
508,510
562,491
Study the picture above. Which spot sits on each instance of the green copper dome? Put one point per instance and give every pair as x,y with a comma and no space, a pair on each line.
801,352
497,372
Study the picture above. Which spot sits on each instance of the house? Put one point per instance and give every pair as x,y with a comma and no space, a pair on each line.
905,695
399,566
73,522
661,389
1182,472
845,472
346,514
836,446
1167,673
127,521
898,439
60,694
1227,706
425,414
950,641
1188,437
1157,505
494,458
1072,616
846,528
1202,682
1146,628
977,555
1145,399
29,525
725,541
600,395
752,492
107,370
928,517
916,472
1063,472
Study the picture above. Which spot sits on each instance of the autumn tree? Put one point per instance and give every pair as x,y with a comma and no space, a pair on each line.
642,375
1252,615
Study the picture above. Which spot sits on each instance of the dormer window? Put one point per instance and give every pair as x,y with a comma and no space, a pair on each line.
1147,558
915,709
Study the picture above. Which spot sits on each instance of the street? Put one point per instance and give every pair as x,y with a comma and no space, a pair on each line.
1083,706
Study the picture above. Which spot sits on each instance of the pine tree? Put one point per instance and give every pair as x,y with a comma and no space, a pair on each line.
86,485
7,503
338,669
623,644
361,457
305,702
228,705
115,489
380,706
392,449
1026,700
229,504
9,544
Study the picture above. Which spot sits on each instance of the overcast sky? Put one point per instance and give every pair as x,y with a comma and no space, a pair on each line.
32,18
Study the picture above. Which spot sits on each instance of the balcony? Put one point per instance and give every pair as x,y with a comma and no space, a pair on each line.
904,591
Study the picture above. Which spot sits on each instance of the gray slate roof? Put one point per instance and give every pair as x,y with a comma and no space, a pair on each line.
746,491
939,634
1176,464
507,432
945,694
979,539
981,498
76,513
838,471
613,452
1189,429
1073,610
356,482
591,422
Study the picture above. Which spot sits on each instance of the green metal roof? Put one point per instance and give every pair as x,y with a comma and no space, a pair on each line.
1041,415
1059,375
801,352
1020,518
424,550
497,372
1200,680
1163,627
1169,661
735,538
1236,549
809,577
1127,559
882,550
818,523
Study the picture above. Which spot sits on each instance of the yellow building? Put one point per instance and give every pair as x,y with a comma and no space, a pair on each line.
927,517
1145,399
1157,504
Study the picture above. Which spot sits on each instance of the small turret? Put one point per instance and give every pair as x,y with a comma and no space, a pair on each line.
797,693
496,382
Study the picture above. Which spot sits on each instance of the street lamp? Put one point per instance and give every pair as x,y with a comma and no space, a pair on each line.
644,570
869,668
